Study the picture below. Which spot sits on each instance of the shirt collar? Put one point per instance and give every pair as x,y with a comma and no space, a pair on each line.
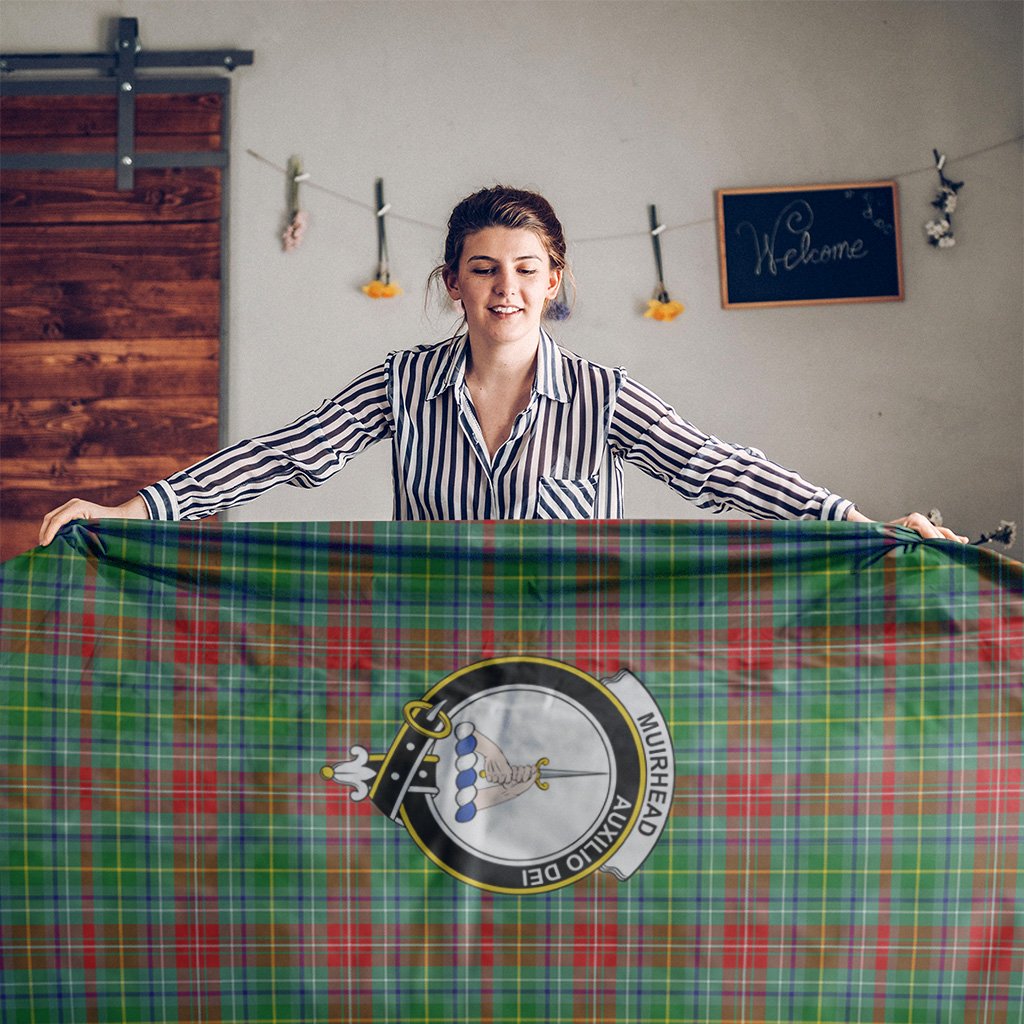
452,368
549,380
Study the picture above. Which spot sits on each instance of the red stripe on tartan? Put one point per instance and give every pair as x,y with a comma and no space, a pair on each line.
88,637
197,945
347,647
745,946
749,795
83,788
999,639
595,944
888,794
486,643
890,638
350,945
194,792
485,942
196,641
597,651
339,804
993,948
882,948
998,791
750,649
88,933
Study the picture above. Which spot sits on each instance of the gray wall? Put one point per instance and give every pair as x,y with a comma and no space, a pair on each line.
606,107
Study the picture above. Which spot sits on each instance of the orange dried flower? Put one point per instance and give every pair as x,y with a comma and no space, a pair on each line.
665,311
381,290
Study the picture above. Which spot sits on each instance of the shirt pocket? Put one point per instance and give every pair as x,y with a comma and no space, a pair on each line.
566,498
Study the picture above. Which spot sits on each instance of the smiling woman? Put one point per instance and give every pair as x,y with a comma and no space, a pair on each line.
496,422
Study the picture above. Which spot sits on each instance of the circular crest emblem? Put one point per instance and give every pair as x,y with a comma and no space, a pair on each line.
523,774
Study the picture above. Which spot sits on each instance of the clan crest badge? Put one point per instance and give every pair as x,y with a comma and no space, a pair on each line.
523,775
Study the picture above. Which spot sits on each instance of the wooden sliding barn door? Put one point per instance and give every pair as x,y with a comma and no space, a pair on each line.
111,225
110,310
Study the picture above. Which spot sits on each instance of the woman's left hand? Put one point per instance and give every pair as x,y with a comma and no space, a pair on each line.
918,523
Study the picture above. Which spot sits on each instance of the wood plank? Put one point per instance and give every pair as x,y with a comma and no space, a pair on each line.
110,368
73,428
100,252
108,144
163,195
83,116
33,486
18,536
118,309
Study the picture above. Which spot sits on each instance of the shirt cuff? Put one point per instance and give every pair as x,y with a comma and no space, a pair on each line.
161,501
834,507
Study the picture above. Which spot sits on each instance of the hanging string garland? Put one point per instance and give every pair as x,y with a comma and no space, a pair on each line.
660,307
381,287
940,232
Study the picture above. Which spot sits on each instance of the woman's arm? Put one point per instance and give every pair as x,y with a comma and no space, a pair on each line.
715,474
711,473
305,453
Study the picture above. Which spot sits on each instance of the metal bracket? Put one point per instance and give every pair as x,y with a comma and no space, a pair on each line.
128,46
123,65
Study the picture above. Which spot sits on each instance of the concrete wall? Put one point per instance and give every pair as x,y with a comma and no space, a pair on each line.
606,107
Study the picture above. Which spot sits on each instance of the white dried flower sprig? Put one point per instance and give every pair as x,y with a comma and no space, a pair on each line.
940,231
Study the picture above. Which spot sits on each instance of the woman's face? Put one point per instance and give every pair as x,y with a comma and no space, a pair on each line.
504,279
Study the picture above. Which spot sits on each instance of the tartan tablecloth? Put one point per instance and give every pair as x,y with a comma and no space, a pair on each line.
840,839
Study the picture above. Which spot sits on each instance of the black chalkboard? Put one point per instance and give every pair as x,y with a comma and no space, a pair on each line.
813,244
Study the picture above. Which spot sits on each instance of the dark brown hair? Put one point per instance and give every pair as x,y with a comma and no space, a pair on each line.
500,207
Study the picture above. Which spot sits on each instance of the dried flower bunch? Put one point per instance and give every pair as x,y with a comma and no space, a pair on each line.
559,308
940,231
381,287
298,218
1005,533
660,307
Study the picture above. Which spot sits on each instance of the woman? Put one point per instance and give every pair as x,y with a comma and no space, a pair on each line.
496,423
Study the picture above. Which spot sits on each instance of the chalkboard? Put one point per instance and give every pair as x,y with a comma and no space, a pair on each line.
814,244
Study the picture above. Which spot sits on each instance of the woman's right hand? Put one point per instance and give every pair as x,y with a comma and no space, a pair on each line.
78,508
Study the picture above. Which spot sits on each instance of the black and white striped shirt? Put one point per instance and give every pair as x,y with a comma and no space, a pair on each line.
562,459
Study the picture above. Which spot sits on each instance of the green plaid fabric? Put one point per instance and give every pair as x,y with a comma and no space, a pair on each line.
844,842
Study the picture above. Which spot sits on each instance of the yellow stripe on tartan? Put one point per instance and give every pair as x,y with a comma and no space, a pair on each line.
704,723
825,799
427,651
270,839
649,871
671,872
25,866
920,809
519,952
117,798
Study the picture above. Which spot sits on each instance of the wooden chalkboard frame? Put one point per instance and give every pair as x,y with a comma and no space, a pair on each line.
773,202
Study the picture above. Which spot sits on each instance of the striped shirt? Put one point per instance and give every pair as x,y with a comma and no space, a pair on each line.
562,460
